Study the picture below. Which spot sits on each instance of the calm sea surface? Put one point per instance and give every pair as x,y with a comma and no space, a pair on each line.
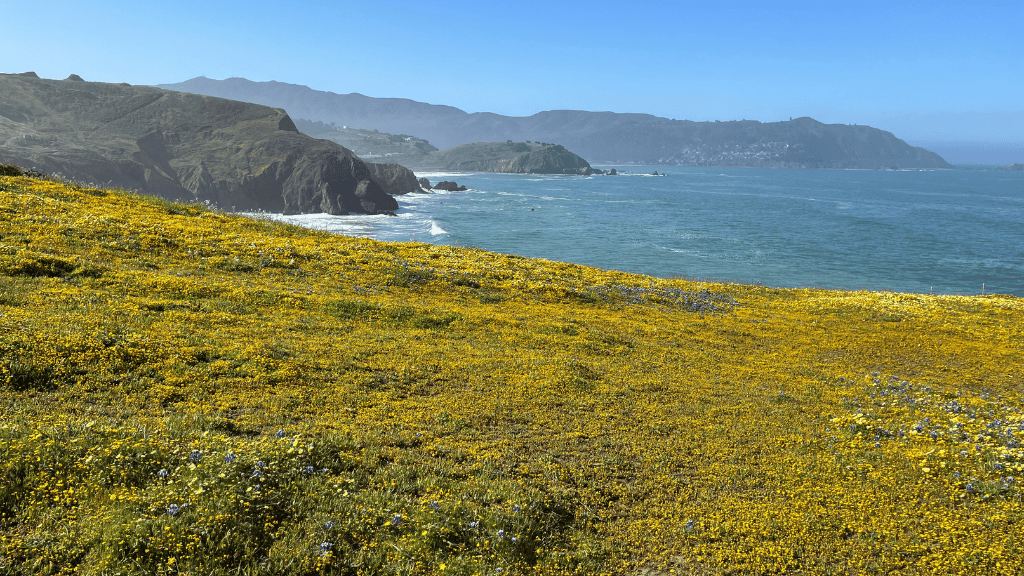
944,231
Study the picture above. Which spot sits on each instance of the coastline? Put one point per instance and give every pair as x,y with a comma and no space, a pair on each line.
709,223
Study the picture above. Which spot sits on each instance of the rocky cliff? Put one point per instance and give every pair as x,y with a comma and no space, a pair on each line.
603,137
180,146
394,179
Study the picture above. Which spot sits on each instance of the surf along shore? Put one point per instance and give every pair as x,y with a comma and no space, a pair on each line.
185,391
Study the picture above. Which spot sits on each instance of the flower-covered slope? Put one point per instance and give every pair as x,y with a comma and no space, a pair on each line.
187,392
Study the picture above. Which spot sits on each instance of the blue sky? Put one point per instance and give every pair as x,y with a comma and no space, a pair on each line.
933,73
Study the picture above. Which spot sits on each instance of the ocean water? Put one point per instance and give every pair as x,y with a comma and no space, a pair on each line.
945,232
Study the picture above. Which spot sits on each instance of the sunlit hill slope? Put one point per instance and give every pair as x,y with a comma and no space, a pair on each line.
189,392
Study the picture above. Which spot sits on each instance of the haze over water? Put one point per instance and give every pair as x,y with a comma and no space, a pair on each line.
945,231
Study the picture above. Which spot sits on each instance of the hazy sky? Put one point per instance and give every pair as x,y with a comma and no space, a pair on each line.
930,72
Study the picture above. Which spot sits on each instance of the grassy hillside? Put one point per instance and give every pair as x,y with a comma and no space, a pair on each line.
183,391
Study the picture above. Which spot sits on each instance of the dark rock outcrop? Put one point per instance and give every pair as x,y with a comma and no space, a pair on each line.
75,78
425,184
449,186
394,179
181,147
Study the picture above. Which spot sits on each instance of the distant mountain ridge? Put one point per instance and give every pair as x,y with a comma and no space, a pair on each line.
600,137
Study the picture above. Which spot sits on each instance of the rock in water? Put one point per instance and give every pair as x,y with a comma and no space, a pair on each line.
394,179
181,147
425,184
449,186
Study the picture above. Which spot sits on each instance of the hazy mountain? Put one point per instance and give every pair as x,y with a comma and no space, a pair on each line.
179,146
600,137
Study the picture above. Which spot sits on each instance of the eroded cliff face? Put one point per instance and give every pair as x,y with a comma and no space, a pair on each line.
181,147
394,179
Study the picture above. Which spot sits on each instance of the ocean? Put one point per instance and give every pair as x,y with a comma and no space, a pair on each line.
944,232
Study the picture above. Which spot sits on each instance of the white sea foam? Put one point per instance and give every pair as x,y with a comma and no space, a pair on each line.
436,230
434,177
362,225
695,253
